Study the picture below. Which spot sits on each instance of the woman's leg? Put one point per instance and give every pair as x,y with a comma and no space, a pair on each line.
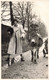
10,59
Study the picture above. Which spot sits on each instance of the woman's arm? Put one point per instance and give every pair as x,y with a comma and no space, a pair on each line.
22,32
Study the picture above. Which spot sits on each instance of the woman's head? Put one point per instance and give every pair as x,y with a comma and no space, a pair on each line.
15,21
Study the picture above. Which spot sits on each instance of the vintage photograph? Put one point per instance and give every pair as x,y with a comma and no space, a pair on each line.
24,39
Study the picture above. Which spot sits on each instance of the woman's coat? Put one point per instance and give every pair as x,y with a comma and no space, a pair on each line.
15,44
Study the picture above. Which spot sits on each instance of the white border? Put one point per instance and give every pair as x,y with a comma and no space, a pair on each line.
0,37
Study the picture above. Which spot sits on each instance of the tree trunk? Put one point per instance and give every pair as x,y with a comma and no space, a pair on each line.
11,12
28,19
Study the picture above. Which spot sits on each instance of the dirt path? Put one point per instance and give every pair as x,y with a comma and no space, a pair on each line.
27,69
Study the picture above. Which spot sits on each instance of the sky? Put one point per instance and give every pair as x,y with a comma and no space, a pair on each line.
41,9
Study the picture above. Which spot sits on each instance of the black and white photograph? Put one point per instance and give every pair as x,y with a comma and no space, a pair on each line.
24,39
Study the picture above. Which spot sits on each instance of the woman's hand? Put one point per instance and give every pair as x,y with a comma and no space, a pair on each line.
22,36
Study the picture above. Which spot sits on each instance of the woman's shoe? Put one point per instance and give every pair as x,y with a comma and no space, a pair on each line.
22,58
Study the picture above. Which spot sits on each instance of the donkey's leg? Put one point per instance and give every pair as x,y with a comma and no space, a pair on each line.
44,52
32,56
35,57
38,53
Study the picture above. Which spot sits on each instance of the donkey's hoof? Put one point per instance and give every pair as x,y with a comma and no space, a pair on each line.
37,57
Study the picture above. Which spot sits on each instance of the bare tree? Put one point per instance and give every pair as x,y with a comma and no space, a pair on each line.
4,8
28,16
22,11
19,12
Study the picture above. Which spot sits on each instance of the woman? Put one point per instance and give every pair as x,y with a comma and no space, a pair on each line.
15,44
